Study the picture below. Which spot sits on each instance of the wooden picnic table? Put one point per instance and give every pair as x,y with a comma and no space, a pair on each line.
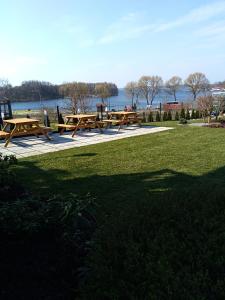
123,118
21,127
81,121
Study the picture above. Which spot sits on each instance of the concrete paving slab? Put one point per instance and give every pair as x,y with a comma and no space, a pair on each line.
29,146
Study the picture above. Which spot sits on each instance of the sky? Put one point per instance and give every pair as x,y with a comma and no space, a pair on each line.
116,41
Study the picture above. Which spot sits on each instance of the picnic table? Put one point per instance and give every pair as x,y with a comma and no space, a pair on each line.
123,118
22,127
80,121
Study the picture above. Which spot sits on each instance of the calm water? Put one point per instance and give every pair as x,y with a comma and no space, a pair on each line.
116,102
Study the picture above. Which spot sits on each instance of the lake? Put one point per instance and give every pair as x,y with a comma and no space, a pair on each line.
116,102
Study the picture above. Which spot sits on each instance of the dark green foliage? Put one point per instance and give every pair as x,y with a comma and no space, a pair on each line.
182,114
158,119
197,116
177,116
150,117
183,121
165,116
188,115
43,246
143,117
169,116
8,184
193,114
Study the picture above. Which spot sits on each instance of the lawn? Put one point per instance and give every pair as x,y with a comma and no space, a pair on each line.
160,211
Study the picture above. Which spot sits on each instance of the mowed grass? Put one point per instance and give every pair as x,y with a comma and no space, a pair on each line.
160,209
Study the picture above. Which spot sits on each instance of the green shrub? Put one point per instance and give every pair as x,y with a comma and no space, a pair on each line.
197,116
165,117
158,119
143,117
169,116
150,117
182,114
188,115
8,183
193,114
183,121
177,116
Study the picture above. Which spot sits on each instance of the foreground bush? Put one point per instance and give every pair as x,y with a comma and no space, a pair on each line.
43,244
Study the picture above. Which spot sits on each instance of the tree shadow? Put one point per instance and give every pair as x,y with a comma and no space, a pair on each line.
158,232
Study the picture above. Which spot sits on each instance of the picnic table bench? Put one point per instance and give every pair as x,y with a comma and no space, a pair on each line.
123,118
82,121
22,127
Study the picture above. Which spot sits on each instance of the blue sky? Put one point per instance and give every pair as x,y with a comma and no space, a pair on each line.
115,41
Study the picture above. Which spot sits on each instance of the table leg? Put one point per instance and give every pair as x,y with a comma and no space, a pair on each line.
10,136
75,130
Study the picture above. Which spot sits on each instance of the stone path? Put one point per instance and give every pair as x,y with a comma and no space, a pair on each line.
29,146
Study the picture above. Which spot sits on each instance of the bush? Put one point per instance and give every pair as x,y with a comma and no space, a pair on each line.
188,115
158,119
177,116
182,114
8,184
144,117
165,117
169,116
193,114
47,238
183,121
150,117
197,116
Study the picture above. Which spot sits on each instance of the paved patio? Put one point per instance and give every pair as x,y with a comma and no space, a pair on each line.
29,146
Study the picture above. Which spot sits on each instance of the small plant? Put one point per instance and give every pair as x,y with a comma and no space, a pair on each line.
183,121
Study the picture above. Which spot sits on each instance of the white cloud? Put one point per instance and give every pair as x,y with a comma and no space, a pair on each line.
129,27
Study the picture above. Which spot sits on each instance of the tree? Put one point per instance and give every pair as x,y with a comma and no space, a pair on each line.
188,115
79,95
102,91
205,105
130,90
173,85
193,114
5,88
149,87
197,83
165,117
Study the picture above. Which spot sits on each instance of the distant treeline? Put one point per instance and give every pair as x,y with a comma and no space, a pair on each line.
34,90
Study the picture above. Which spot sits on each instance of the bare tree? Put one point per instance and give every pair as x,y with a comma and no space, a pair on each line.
102,91
205,105
132,90
5,88
79,95
150,87
197,82
173,85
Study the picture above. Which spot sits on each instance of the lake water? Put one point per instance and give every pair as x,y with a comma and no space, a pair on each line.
116,102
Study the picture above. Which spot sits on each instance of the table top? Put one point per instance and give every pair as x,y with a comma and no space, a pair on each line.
81,116
123,113
21,121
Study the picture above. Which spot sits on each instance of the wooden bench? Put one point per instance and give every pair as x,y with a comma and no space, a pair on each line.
4,134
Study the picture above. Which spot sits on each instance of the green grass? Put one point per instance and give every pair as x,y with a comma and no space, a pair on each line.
159,206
